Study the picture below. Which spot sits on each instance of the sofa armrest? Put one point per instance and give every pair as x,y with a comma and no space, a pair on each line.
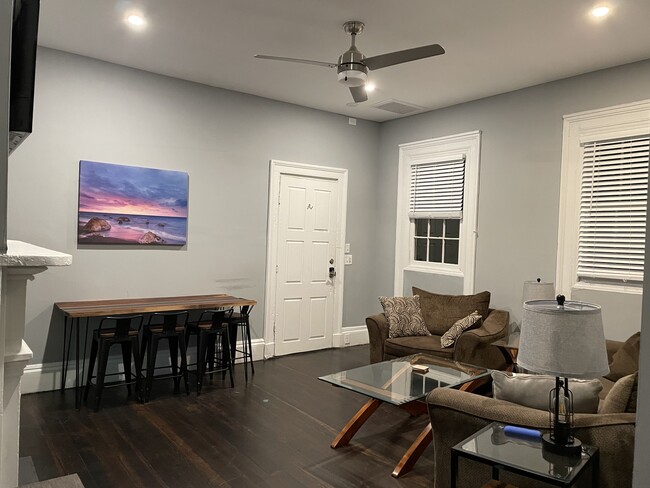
475,346
455,415
377,334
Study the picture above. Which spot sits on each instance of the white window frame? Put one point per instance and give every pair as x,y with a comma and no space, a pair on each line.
627,120
430,150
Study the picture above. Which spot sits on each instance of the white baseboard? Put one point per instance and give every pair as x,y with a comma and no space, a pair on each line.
47,376
351,336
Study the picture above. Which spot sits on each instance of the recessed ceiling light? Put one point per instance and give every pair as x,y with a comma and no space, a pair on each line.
370,87
600,11
135,20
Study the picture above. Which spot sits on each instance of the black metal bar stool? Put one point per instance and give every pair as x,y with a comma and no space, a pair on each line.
241,321
170,326
212,345
115,330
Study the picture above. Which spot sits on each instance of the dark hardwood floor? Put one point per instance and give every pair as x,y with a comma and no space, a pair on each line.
274,431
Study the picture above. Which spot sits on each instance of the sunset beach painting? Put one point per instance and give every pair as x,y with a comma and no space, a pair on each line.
131,205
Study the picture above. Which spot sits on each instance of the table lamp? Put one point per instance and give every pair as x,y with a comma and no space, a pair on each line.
536,290
564,339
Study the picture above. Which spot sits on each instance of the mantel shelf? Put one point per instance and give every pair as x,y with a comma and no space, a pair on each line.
22,254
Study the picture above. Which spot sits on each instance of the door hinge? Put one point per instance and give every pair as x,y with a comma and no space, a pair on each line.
277,268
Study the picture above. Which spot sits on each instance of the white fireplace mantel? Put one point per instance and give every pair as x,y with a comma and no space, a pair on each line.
17,266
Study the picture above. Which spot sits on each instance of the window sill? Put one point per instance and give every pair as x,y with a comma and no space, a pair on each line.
435,270
629,290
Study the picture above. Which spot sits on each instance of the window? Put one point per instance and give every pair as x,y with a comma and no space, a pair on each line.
613,200
603,199
437,189
436,240
437,200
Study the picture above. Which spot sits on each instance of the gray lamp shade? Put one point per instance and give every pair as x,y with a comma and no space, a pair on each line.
566,341
538,291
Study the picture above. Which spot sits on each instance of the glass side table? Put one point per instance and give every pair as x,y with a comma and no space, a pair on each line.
524,456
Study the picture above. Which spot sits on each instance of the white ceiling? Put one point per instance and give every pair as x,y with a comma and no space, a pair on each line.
493,46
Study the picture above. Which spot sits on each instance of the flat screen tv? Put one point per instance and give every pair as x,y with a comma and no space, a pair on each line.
24,37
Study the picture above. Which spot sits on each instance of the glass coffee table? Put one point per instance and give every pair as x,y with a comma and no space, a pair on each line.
398,382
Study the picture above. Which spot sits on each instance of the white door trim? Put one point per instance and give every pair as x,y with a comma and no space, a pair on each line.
278,168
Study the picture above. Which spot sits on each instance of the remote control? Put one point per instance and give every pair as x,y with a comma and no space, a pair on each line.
522,432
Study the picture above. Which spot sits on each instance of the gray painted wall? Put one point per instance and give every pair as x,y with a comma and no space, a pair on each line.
87,109
447,285
521,151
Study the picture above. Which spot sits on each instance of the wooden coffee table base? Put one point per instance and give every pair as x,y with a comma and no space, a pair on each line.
355,423
413,453
415,408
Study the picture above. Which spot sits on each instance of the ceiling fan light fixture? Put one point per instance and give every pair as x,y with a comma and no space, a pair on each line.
135,20
600,11
352,67
352,77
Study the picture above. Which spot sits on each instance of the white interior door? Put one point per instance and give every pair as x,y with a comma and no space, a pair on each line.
306,250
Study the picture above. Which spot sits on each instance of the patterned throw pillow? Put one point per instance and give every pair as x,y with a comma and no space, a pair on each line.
449,338
404,316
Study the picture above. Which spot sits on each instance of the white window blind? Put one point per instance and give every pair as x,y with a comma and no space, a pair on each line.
437,189
613,209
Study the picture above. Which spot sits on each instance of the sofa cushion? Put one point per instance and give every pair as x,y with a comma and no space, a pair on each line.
441,311
472,321
404,346
622,397
626,360
532,390
404,316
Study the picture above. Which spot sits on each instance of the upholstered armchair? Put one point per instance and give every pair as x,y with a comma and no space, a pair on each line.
455,415
440,312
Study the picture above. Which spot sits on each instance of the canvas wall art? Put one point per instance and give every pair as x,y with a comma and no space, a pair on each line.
131,205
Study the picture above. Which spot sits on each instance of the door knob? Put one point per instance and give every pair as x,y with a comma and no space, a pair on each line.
332,272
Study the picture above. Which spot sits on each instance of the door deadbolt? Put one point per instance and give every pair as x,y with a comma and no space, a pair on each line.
332,272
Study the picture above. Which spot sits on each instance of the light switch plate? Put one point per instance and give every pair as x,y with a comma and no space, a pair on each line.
348,259
347,248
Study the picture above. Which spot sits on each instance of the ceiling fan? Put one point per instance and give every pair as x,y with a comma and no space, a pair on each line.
352,66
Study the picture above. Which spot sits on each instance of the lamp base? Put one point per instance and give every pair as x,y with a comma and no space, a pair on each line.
572,450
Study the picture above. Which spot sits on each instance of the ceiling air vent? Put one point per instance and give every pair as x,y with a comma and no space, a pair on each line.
398,107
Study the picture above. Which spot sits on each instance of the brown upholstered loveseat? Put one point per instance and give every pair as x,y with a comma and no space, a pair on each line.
440,312
455,415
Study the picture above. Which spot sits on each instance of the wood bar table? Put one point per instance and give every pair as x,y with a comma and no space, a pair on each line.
75,311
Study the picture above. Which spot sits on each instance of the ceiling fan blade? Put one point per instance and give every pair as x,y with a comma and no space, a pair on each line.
399,57
295,60
359,93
